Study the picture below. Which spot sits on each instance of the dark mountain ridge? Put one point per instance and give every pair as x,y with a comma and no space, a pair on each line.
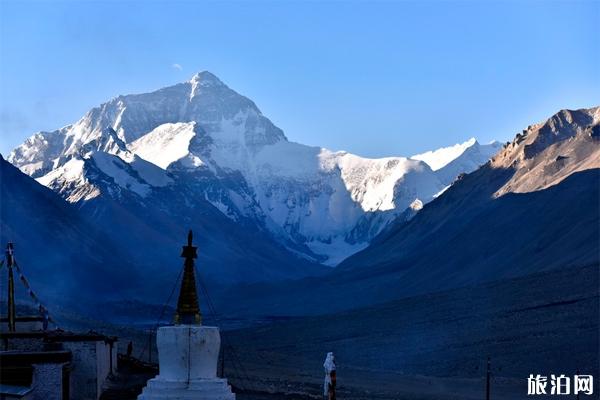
62,254
504,238
470,221
107,249
521,213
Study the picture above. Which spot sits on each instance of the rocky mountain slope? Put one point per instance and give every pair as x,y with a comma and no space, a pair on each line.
565,146
478,230
545,154
320,204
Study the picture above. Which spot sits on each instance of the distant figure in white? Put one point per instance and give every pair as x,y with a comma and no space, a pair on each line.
329,385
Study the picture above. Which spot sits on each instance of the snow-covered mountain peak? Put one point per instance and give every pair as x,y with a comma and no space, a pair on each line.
439,158
229,118
449,162
200,140
205,78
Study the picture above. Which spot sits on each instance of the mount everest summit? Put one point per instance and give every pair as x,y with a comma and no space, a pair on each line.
175,152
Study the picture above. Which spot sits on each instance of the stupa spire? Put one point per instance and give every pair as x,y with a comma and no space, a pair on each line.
188,310
188,352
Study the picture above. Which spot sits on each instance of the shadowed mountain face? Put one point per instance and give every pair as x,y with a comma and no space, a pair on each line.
480,229
514,235
120,250
58,250
229,252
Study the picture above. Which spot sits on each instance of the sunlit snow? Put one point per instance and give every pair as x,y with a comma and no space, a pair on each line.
165,144
310,196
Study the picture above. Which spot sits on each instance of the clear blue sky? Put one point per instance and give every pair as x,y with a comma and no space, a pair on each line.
388,78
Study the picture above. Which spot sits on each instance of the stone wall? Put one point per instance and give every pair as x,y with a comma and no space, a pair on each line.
42,372
23,344
84,381
47,381
90,367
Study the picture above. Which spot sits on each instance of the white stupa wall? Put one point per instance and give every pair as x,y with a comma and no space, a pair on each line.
188,356
188,352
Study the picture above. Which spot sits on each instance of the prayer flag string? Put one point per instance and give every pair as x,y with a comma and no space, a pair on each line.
33,295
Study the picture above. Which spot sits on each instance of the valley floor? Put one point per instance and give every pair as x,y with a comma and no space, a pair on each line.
431,346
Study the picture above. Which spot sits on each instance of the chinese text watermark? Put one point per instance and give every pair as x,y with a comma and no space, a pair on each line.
560,385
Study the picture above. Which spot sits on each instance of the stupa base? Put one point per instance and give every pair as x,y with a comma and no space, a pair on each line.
199,389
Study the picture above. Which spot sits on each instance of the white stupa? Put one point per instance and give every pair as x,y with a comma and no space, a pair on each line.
188,352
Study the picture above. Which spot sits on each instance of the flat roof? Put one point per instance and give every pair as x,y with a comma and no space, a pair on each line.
12,390
21,358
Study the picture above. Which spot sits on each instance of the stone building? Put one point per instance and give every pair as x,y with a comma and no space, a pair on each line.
41,364
35,375
67,365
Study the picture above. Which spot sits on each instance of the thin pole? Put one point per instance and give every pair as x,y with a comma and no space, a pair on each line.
11,287
11,300
150,347
487,380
